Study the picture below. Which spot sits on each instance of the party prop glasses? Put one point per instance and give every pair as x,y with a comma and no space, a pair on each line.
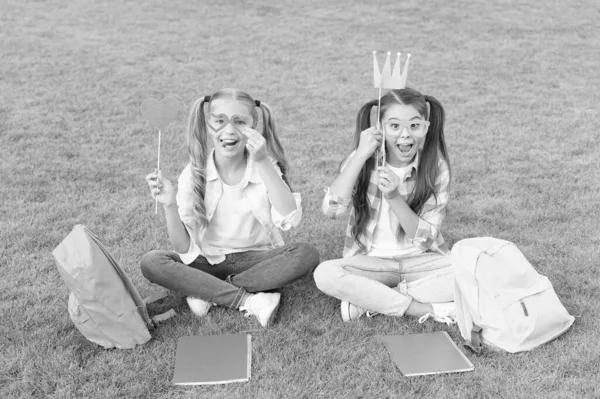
416,127
218,122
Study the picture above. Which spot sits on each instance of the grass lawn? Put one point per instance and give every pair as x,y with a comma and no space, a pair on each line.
517,80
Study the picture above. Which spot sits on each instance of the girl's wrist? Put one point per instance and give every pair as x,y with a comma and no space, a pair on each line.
170,206
363,157
391,195
262,161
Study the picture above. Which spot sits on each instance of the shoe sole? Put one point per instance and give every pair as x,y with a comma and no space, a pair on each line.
199,314
345,311
274,314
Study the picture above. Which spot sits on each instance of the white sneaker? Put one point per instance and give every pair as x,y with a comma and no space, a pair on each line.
263,305
444,312
352,312
198,306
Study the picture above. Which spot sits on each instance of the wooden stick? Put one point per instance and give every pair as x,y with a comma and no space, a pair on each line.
379,127
158,168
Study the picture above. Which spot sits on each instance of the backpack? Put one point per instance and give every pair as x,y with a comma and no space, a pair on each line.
501,301
104,305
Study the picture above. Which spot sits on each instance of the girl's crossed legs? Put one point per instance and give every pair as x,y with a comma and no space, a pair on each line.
388,286
228,282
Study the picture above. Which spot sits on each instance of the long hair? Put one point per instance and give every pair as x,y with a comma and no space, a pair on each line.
198,149
433,148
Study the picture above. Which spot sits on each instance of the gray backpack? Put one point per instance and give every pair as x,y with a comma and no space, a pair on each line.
502,302
104,305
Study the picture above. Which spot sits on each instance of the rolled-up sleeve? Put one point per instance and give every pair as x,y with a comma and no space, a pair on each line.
334,206
292,219
185,207
184,196
433,212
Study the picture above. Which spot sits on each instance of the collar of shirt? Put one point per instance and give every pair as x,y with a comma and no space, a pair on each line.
251,175
413,166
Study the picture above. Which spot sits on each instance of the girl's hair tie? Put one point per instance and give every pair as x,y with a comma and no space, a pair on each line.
257,103
206,99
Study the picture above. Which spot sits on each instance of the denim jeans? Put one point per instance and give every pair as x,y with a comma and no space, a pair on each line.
387,286
226,283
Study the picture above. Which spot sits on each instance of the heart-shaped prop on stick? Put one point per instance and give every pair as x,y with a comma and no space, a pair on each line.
160,114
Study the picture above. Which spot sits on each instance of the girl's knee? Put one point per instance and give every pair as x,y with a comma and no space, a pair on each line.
309,255
306,256
326,275
150,262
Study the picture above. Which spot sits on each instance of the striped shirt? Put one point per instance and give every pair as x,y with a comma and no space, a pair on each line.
427,237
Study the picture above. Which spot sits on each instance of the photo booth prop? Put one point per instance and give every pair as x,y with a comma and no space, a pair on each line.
388,79
502,303
213,359
160,114
103,303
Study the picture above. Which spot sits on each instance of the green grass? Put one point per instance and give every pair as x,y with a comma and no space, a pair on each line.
517,80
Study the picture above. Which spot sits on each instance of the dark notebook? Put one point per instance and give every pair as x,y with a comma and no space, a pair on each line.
213,359
426,353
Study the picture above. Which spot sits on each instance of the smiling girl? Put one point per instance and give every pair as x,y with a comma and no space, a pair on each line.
224,218
395,261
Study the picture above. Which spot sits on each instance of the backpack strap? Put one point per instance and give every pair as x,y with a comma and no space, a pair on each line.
474,343
159,318
156,296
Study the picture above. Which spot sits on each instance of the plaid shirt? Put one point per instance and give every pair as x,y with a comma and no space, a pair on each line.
427,236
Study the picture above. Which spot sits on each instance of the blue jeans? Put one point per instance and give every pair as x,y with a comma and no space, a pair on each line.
387,286
228,282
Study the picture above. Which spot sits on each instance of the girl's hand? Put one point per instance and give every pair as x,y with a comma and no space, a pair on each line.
370,141
256,144
161,189
388,182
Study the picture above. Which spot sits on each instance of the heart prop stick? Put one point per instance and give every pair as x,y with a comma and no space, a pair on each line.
160,114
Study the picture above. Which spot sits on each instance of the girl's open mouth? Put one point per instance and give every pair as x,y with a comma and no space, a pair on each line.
228,143
404,148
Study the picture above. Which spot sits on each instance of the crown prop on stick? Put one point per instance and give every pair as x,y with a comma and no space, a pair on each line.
388,79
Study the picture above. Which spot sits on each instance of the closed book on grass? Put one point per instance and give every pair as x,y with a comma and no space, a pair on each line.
213,359
426,353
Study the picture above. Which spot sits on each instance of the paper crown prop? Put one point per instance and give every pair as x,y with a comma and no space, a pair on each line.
388,79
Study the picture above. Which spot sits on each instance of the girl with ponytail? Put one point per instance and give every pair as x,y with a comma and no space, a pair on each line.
224,218
395,261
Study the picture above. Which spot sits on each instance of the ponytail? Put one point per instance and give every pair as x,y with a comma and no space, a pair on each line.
437,117
433,148
360,200
198,152
274,147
